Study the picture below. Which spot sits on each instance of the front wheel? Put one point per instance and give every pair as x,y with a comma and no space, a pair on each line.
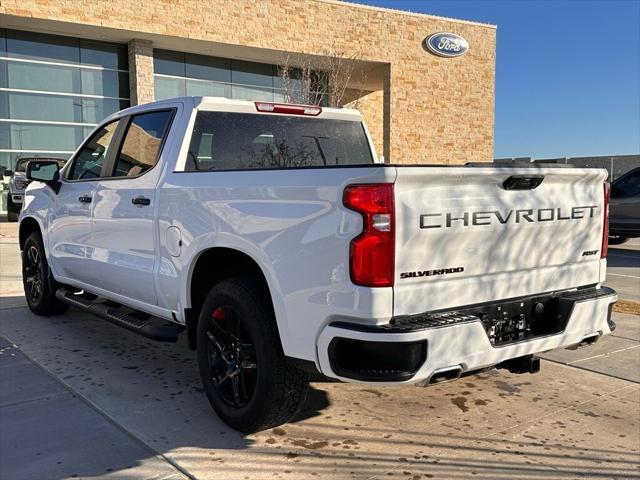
39,285
13,212
244,372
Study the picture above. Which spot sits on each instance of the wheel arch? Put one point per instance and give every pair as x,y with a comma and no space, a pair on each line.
28,225
213,265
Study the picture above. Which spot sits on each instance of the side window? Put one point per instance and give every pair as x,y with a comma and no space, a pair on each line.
141,146
89,161
629,186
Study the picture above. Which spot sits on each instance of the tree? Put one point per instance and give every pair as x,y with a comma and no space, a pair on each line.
326,80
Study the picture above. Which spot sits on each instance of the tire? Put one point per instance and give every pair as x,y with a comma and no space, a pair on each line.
617,239
244,372
13,212
39,285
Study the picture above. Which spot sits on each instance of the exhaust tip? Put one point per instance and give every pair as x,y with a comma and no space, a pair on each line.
589,339
446,374
524,364
586,341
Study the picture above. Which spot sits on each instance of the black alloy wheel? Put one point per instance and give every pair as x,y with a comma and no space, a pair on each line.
33,274
232,357
39,284
248,380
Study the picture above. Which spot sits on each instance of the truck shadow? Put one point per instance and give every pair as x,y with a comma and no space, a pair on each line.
347,431
620,257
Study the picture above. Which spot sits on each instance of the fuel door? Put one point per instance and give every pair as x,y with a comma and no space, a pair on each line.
174,241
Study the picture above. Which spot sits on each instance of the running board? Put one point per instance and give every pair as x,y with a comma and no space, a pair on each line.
133,320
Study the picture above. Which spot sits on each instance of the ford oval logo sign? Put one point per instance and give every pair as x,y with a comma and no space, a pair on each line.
446,44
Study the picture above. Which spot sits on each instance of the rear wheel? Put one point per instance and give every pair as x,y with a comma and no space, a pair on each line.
39,285
617,239
244,372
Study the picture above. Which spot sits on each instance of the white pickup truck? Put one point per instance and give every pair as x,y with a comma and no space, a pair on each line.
272,237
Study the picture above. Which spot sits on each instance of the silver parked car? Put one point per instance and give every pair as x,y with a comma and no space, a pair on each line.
624,208
18,183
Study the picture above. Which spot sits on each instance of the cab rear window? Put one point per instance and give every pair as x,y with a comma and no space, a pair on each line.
243,141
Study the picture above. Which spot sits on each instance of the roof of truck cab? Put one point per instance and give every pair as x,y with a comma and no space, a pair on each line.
220,104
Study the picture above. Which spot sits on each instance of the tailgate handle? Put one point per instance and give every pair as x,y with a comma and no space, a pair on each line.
522,182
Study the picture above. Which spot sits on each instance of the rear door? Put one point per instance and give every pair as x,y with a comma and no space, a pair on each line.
124,228
470,235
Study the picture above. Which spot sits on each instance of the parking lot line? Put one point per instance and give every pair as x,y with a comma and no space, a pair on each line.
621,275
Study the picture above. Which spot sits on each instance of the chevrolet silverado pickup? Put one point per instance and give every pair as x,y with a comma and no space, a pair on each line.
273,238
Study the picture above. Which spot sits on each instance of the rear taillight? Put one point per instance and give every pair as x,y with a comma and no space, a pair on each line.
605,228
268,107
372,253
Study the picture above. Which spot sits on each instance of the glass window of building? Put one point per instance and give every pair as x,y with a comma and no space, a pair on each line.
54,90
177,74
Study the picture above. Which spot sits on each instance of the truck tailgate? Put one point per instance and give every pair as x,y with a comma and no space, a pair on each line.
462,238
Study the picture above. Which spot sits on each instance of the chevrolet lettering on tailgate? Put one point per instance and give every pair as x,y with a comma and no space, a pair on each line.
488,217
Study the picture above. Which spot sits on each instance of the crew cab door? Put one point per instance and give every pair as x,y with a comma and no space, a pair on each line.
70,227
124,227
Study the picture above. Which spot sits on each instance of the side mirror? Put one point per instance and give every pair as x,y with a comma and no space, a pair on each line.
46,171
7,173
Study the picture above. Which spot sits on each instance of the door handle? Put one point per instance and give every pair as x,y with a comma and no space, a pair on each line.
141,201
84,199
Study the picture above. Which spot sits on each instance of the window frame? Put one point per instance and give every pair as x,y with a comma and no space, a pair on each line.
115,146
112,162
74,159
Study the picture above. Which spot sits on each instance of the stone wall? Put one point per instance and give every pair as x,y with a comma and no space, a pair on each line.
434,110
141,71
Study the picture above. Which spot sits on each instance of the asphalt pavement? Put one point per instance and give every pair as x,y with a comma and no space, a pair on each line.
81,398
47,431
623,269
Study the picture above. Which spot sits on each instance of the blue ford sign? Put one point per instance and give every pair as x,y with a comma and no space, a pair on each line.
446,44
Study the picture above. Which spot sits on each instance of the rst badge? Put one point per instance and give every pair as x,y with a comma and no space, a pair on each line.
446,44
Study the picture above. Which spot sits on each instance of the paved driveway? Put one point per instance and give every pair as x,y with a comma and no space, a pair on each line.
579,417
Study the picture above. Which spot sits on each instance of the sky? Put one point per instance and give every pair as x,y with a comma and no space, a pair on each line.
567,73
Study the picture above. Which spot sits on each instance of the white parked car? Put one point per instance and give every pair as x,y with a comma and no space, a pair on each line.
269,234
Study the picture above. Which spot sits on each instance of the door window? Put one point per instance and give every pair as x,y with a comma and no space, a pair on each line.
626,187
89,161
141,146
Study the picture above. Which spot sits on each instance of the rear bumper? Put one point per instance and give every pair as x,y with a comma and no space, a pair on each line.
418,347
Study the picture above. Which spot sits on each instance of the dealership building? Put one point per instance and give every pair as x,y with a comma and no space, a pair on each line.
66,64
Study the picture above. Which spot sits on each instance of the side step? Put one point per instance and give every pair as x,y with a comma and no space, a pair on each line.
138,322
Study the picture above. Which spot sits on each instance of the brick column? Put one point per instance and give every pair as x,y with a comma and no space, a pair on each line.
141,71
386,114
